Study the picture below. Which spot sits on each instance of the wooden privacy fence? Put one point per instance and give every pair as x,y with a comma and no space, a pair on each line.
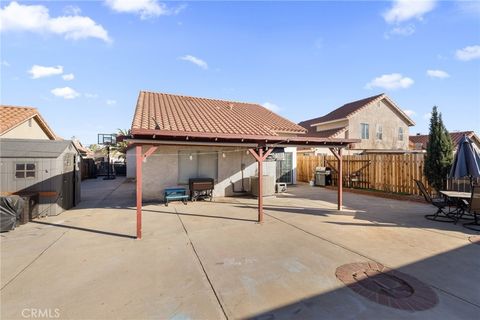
390,173
87,169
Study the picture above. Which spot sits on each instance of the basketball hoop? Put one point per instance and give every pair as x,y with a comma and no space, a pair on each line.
107,139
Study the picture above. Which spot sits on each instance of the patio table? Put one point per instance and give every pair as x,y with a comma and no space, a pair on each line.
456,194
458,198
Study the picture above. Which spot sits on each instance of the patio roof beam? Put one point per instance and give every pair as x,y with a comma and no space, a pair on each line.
150,151
231,144
190,143
242,141
338,154
260,157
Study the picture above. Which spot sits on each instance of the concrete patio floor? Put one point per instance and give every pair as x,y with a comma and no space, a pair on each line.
210,260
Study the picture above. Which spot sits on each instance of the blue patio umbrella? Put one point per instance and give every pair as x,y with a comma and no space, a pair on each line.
467,160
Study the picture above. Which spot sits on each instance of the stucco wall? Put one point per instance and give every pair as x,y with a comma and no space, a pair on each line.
131,163
379,113
27,130
161,170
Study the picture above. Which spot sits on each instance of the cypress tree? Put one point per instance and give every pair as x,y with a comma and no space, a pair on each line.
439,157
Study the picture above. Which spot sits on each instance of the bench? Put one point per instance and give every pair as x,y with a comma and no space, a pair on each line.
175,193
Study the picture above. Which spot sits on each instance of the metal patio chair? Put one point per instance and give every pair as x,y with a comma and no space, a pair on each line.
474,209
441,204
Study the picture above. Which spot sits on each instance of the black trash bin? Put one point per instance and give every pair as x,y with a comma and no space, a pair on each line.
11,209
328,176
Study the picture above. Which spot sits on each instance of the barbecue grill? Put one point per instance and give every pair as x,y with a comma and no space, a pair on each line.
201,188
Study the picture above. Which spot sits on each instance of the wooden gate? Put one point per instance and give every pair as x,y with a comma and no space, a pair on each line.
385,172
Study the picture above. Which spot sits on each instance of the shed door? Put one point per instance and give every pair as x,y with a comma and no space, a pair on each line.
68,181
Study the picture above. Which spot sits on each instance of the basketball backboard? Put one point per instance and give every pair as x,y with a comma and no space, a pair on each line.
107,139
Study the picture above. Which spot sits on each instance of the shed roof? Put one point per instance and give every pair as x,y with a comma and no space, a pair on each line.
12,116
164,113
33,148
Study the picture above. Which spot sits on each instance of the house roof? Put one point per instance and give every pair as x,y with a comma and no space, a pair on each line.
326,133
84,152
13,116
455,136
33,148
349,109
175,114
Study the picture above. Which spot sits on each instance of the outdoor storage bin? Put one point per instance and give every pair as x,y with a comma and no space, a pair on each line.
120,168
268,186
30,208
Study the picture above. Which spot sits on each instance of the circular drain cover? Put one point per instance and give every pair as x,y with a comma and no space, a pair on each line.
388,287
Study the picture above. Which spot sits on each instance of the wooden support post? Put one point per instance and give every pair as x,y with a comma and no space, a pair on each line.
338,154
260,157
340,180
260,185
139,158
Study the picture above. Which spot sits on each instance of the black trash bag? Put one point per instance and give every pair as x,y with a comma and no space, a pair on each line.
11,207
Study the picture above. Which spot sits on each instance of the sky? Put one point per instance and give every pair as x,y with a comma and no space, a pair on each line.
83,63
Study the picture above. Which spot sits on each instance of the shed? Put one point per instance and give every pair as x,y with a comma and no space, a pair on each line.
45,169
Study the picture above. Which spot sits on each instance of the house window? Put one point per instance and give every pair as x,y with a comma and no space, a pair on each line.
197,164
379,132
24,170
30,122
364,131
400,134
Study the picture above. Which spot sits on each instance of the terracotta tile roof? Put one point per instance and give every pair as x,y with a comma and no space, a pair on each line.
12,116
167,112
455,136
83,150
350,108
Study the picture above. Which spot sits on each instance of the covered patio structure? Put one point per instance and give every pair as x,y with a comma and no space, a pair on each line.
259,147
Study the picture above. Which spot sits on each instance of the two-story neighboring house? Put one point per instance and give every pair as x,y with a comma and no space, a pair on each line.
419,141
377,121
24,123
